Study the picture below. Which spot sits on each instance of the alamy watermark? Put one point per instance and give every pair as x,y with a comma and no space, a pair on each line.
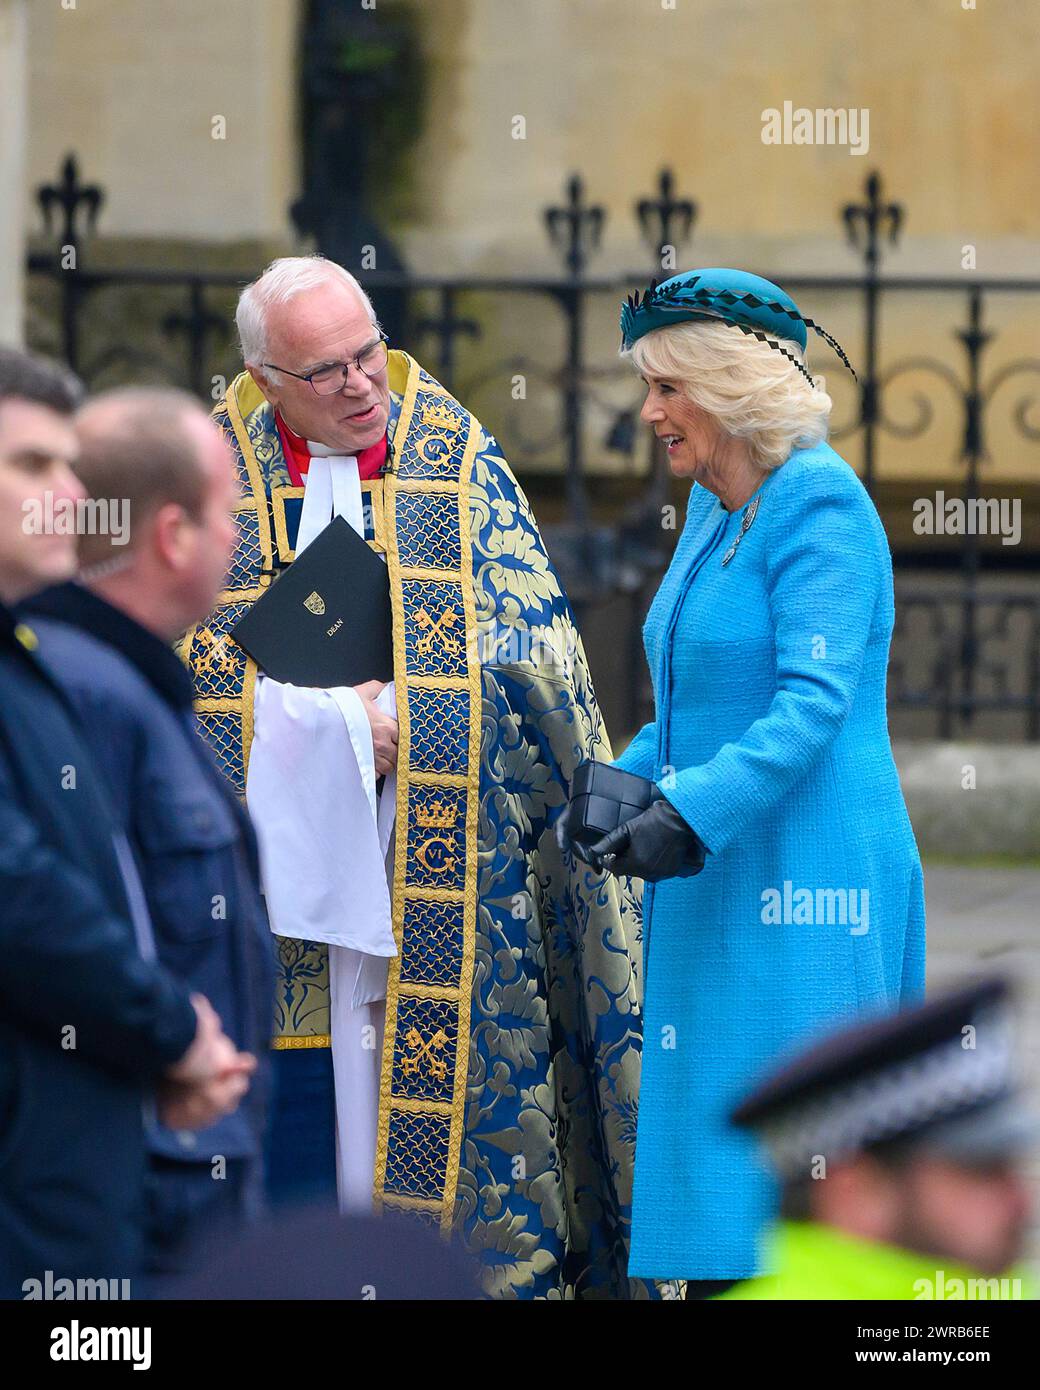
77,516
974,516
953,1288
60,1289
81,1342
821,125
550,651
817,907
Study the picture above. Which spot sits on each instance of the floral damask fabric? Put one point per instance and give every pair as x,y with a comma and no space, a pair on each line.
545,1179
542,1186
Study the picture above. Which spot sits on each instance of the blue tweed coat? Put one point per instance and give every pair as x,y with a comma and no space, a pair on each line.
771,740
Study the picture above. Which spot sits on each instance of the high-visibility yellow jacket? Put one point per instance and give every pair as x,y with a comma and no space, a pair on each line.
819,1262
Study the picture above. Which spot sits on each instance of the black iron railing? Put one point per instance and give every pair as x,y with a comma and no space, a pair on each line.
966,646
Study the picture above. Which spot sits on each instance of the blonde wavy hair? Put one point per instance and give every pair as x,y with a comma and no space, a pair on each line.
753,391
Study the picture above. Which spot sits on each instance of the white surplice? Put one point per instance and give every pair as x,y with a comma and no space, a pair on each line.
325,838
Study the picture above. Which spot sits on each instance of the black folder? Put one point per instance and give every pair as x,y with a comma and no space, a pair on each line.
326,621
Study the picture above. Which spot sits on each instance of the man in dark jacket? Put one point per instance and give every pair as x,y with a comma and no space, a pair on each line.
90,1023
152,569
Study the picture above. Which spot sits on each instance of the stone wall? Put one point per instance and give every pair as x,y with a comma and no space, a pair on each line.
141,88
12,167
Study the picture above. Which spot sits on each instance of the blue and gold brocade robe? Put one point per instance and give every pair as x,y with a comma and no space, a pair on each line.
511,1058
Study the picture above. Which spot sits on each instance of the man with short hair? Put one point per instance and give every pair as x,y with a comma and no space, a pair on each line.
458,1009
91,1024
153,457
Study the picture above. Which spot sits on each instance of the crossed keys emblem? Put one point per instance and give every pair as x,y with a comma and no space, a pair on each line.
439,628
423,1052
215,654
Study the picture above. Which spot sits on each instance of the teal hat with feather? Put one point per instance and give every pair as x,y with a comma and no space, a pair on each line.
755,306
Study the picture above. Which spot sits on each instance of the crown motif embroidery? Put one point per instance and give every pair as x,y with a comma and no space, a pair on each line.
436,815
439,417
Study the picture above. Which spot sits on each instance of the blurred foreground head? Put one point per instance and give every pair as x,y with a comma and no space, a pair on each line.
908,1130
317,1254
37,450
162,480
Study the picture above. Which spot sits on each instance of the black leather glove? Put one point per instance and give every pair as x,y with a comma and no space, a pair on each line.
654,845
568,823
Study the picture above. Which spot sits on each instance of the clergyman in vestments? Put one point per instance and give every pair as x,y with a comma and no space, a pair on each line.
458,1012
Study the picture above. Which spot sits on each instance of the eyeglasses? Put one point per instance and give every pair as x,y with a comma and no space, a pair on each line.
327,380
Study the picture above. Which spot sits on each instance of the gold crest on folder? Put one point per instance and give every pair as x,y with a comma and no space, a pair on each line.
314,603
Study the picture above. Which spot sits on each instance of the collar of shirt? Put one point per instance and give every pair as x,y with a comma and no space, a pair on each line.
298,457
158,663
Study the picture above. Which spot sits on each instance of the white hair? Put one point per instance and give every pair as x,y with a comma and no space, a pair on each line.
281,281
753,391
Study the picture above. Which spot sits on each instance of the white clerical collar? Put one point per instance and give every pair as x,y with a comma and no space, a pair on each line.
323,451
333,488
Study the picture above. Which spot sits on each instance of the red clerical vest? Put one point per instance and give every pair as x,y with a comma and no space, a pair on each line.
298,457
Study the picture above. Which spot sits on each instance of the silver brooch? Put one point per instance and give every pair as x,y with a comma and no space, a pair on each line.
745,527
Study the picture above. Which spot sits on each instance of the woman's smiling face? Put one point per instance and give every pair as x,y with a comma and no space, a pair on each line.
692,436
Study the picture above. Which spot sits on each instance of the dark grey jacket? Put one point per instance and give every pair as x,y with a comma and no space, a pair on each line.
194,845
87,1025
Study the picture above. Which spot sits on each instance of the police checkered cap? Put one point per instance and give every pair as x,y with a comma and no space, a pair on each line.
896,1078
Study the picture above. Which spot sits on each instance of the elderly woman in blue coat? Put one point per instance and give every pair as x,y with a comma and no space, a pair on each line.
768,645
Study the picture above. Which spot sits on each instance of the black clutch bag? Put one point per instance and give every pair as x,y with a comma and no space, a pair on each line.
604,797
